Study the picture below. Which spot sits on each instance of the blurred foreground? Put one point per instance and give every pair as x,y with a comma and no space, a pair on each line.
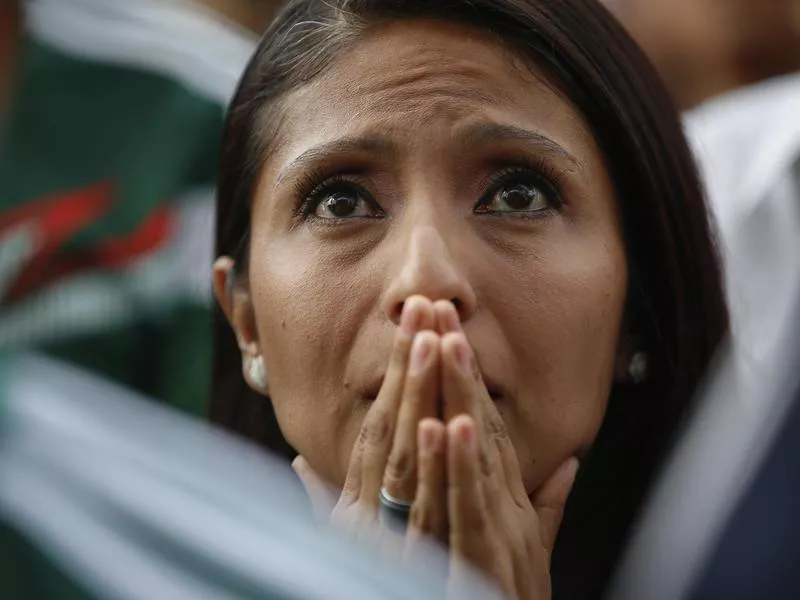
105,495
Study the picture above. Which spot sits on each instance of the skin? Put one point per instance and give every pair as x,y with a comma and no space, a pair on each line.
519,313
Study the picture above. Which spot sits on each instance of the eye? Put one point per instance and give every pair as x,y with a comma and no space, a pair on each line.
519,190
340,199
342,205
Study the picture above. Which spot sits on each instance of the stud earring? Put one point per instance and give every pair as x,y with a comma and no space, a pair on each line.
258,373
638,367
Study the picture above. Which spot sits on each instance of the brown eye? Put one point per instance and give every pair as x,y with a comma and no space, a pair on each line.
339,206
518,191
342,200
519,197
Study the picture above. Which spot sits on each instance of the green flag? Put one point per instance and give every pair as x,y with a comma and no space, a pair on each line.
107,169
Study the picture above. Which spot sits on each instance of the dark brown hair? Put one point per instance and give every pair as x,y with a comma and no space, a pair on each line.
676,303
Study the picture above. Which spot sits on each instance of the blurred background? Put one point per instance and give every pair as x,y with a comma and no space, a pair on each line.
108,153
110,119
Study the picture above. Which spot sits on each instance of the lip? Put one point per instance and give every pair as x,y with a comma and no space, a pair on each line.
496,391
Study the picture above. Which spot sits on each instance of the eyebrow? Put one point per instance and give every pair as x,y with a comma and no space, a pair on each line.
471,135
484,133
372,144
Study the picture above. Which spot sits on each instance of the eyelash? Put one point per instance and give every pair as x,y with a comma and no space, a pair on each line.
317,183
314,185
540,172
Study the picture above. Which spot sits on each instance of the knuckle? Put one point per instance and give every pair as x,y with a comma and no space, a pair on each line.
375,428
497,427
485,464
475,522
400,466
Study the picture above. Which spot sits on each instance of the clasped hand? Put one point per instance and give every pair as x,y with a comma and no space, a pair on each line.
435,436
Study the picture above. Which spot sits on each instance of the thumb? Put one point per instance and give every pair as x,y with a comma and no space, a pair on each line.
321,495
549,501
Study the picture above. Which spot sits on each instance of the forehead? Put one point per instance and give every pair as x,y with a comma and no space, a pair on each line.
409,77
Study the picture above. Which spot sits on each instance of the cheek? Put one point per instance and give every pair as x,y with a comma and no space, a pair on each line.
565,336
308,319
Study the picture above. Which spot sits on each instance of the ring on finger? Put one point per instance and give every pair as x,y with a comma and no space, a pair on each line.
394,512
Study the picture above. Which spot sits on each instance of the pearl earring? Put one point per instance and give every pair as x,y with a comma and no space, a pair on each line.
637,368
258,373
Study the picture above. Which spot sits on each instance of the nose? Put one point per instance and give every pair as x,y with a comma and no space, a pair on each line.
428,269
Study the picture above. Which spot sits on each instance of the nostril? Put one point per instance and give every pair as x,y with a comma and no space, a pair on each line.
397,313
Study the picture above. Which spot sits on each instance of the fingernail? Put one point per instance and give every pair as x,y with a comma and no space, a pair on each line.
419,353
409,319
468,435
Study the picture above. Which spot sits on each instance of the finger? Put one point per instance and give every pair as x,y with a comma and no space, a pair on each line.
320,494
549,501
447,318
470,529
428,517
420,392
365,474
458,380
464,393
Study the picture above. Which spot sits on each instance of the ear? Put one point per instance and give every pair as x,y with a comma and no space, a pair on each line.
233,295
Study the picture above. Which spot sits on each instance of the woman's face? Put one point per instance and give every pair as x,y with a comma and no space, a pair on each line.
428,160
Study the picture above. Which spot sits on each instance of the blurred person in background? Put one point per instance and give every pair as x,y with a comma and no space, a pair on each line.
107,167
704,48
459,254
736,64
9,34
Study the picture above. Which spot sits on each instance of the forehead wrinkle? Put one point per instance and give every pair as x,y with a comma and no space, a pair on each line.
373,144
422,83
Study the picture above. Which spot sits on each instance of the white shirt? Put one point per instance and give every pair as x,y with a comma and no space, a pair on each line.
748,146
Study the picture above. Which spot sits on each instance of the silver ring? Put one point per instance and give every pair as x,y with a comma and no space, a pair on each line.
399,509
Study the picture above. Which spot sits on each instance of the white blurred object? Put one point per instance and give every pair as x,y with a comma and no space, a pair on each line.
748,147
178,38
135,502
